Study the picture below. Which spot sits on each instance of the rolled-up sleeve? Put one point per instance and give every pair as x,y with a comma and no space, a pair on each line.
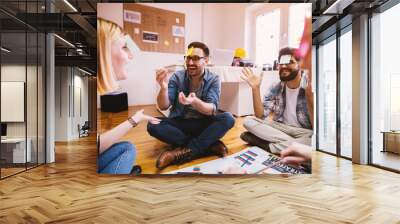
173,88
214,93
268,104
273,102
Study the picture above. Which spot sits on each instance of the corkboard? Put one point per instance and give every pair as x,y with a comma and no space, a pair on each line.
152,28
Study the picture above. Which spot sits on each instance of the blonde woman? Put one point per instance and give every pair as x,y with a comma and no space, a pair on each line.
115,157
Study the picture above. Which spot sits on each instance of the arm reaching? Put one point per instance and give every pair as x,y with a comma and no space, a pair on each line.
112,136
296,154
162,97
254,82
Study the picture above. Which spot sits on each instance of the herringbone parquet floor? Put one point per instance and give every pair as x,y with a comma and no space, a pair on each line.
70,191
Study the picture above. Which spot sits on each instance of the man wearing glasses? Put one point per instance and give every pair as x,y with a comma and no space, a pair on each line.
193,126
286,115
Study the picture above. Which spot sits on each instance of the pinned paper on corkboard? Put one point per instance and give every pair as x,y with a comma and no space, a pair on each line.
132,16
178,31
150,37
154,29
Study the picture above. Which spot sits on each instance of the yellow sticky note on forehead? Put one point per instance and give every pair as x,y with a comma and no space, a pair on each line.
189,51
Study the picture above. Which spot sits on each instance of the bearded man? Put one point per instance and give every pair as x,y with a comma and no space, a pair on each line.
286,114
194,127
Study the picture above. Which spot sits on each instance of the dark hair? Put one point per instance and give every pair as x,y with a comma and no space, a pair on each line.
202,46
289,51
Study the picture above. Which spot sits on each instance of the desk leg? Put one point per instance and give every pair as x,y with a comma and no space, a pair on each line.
384,143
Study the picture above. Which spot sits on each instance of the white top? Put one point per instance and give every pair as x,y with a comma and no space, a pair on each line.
289,115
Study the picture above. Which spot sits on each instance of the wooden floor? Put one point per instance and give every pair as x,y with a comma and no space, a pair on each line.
386,159
70,191
149,148
10,171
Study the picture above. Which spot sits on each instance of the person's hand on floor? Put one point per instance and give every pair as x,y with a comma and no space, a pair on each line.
252,79
186,100
140,116
296,154
162,77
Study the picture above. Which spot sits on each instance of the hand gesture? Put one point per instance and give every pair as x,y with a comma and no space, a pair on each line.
186,100
140,116
253,80
296,154
162,78
309,93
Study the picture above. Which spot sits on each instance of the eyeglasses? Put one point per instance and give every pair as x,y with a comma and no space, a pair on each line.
194,58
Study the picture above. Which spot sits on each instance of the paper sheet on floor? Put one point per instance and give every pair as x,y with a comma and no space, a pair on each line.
251,160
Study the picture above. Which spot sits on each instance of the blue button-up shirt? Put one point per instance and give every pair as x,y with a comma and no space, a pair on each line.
180,82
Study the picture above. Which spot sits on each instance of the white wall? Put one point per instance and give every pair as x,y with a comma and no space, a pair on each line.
224,25
61,103
17,73
33,127
14,73
212,25
67,116
220,26
80,110
83,83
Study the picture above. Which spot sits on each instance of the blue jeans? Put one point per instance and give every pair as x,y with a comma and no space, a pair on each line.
118,159
196,134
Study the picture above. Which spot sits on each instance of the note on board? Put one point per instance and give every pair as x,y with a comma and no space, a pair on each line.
150,37
132,16
178,31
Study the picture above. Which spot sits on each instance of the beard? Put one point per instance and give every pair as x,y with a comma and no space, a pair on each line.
292,75
193,70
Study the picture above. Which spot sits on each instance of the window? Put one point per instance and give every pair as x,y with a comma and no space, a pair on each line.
327,96
267,37
385,86
346,93
22,65
394,101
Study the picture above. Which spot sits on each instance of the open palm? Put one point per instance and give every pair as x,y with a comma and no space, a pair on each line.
186,100
140,116
252,79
